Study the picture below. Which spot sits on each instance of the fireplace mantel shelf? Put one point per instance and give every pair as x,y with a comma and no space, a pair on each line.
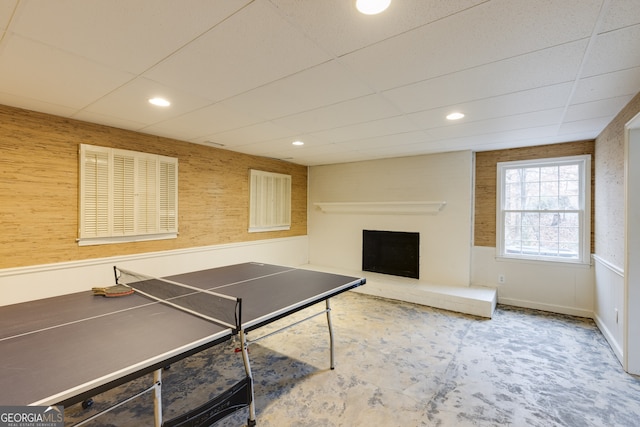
392,208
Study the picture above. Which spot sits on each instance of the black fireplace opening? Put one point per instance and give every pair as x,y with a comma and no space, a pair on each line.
391,252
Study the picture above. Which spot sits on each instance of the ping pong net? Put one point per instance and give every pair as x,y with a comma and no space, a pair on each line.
218,308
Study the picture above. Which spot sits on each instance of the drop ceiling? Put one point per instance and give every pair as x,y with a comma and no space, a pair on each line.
254,76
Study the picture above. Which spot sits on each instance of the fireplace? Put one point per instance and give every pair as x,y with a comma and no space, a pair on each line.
391,252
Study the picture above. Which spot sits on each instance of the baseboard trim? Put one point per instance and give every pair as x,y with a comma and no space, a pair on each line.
571,311
615,346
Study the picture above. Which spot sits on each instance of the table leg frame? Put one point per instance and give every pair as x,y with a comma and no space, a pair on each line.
157,401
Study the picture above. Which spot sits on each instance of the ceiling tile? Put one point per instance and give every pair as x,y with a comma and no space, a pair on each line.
394,140
614,51
253,74
364,109
131,101
381,127
316,155
517,74
340,28
260,132
590,126
499,124
610,85
543,98
251,48
127,35
494,31
7,8
273,148
35,104
200,125
109,120
621,13
38,71
594,110
322,85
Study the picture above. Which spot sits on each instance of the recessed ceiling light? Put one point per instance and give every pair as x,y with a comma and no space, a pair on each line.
455,116
297,143
372,7
160,102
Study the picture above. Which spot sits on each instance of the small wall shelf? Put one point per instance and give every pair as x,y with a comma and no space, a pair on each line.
382,208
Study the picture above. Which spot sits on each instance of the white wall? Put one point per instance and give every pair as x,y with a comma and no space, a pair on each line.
609,305
336,239
559,288
447,257
631,359
36,282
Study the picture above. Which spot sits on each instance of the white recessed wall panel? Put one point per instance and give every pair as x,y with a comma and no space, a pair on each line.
559,288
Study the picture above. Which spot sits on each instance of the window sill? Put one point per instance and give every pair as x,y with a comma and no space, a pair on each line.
577,264
92,241
263,229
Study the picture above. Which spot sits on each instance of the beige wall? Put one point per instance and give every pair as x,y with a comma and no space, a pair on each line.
486,176
39,190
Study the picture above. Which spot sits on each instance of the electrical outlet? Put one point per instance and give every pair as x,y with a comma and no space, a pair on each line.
501,279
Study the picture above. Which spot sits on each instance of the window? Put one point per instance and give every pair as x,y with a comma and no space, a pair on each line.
270,201
126,196
544,209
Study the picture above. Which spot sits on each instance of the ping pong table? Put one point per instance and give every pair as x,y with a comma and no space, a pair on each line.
65,350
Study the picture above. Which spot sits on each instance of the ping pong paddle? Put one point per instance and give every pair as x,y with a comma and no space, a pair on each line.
113,291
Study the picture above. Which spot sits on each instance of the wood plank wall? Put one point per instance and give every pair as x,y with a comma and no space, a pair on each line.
486,180
39,190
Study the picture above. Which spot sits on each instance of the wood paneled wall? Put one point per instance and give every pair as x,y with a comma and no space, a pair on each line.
39,190
486,180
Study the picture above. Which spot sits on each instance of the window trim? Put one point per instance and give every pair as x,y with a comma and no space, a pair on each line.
263,210
584,162
164,177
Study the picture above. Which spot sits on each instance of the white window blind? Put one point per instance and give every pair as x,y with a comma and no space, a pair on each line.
270,201
126,196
